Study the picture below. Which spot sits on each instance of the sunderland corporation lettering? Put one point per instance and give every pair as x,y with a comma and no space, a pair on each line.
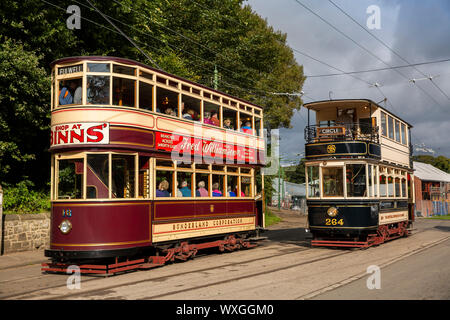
207,224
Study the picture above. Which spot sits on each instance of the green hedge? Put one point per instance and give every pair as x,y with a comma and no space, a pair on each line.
21,199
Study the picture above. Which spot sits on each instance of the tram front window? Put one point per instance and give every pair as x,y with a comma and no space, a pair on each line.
97,176
356,180
97,91
333,182
313,182
70,179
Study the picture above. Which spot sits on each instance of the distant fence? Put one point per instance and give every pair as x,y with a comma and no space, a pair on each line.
428,208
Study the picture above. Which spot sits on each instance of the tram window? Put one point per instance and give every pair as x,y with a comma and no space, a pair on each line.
123,176
144,177
200,166
356,180
98,67
375,181
332,184
123,70
218,168
383,124
124,92
190,108
391,127
146,75
397,187
218,185
370,175
184,180
403,134
97,91
229,119
166,101
70,91
164,163
404,194
397,130
181,164
245,121
211,114
163,183
70,179
145,96
313,181
383,186
245,171
232,169
258,130
246,186
232,186
97,176
390,186
202,180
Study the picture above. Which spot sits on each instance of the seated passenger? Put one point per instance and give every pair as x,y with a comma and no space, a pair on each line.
189,115
201,191
170,112
214,119
227,124
207,118
247,128
65,96
185,191
216,192
162,189
77,95
230,193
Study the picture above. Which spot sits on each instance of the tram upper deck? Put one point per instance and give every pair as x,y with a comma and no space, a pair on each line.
100,101
357,128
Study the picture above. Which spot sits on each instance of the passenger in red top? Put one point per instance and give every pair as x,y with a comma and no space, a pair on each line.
207,118
215,121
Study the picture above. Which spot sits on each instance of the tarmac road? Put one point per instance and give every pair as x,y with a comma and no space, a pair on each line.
282,267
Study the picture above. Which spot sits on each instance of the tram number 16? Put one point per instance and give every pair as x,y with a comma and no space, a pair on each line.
334,222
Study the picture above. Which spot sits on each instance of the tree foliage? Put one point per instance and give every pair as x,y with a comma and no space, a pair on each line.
184,37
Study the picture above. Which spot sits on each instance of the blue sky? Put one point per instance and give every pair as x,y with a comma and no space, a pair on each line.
418,31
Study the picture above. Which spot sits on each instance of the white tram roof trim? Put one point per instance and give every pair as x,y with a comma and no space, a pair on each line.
427,172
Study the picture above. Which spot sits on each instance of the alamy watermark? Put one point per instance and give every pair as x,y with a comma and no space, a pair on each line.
374,280
374,20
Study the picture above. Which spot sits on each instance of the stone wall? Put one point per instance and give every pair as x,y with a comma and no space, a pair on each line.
23,232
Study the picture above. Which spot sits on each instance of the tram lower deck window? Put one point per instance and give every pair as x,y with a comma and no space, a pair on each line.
356,180
333,182
70,179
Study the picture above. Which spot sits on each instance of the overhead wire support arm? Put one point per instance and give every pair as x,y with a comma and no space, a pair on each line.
123,34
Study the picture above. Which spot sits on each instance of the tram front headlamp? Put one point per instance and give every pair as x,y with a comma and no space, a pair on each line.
65,226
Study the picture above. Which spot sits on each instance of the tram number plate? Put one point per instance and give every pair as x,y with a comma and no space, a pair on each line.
334,222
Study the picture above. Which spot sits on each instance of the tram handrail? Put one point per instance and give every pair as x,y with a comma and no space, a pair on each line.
353,131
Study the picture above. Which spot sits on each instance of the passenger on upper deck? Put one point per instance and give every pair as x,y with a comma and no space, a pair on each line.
207,118
247,128
65,96
216,192
201,191
215,121
227,124
162,189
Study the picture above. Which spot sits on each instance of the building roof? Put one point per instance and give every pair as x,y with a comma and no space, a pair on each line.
427,172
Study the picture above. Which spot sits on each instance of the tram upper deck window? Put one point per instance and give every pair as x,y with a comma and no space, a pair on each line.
313,181
98,67
129,71
246,125
124,92
145,96
391,127
403,133
166,101
97,91
211,114
190,108
397,130
229,118
70,91
258,130
383,124
70,179
332,181
356,180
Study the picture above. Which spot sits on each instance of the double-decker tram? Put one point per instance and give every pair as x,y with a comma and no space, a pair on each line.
359,174
148,167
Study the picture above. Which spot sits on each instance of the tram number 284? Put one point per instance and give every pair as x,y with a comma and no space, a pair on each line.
334,222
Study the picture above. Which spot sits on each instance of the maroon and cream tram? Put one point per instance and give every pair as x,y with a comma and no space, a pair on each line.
148,167
359,174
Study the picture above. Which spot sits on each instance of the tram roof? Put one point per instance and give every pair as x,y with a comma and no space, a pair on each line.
132,62
323,104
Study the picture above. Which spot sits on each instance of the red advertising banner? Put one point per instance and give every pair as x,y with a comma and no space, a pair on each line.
206,148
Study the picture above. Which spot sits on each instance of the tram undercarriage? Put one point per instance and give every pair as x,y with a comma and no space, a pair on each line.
156,256
364,239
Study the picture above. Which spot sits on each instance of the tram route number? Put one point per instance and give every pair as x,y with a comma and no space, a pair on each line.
334,222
